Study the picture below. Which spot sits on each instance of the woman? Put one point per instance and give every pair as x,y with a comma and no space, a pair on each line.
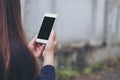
18,59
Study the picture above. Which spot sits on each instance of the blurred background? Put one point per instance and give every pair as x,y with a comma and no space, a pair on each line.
88,32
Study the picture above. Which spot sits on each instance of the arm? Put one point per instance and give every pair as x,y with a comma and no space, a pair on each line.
48,70
48,53
47,73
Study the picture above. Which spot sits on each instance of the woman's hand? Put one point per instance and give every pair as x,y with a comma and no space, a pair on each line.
36,48
48,53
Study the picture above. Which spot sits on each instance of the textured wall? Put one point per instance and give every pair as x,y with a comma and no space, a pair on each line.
79,22
113,21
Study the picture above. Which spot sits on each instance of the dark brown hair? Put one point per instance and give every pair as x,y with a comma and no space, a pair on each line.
16,61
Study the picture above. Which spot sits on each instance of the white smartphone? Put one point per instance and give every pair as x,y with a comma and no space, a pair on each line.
46,27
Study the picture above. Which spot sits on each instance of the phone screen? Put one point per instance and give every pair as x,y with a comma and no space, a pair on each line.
46,28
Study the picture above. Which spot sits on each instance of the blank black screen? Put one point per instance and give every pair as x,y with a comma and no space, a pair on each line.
46,28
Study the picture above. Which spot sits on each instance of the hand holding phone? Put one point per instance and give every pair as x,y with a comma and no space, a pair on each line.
46,28
42,50
36,48
48,53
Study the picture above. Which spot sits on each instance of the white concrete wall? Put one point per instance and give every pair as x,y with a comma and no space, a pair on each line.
113,22
74,20
32,12
79,21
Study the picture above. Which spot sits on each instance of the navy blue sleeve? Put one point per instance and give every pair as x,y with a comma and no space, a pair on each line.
47,73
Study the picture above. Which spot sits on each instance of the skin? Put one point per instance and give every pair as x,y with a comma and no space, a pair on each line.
44,50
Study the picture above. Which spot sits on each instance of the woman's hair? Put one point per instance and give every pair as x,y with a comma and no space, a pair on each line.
16,61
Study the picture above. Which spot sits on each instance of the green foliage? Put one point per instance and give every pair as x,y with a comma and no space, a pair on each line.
96,67
100,66
75,66
88,71
66,74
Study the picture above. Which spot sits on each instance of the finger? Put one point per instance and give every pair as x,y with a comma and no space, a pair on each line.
39,44
40,50
52,35
55,37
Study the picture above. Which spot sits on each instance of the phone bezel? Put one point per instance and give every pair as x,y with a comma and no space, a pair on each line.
39,40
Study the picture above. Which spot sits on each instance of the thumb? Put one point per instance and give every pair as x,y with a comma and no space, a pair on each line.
52,35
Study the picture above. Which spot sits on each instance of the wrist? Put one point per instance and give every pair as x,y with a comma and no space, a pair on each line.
48,61
48,54
48,58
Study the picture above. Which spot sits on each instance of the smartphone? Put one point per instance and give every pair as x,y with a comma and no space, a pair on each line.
46,27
